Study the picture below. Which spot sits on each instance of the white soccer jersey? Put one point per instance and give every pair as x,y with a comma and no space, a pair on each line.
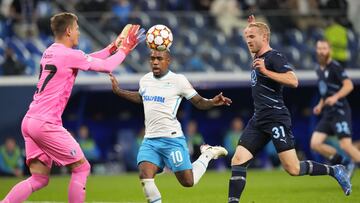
161,98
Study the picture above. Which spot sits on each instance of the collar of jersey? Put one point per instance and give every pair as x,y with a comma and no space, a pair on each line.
262,55
58,44
167,73
326,67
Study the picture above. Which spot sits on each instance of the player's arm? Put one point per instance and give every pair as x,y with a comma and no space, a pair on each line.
288,78
132,96
204,104
318,108
346,88
102,54
129,43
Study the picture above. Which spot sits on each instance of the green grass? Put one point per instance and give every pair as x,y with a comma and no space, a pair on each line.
262,187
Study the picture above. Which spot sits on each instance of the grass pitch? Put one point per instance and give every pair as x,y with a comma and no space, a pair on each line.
262,187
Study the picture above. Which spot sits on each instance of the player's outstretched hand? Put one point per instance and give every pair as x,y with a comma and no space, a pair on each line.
134,37
251,19
220,100
114,83
115,44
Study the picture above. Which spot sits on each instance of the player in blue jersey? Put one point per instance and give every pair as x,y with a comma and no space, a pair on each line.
161,92
334,85
271,71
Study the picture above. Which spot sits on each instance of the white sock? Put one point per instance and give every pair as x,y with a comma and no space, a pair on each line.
200,165
152,193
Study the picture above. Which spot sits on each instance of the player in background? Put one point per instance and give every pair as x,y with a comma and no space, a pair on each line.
334,86
164,144
271,120
46,140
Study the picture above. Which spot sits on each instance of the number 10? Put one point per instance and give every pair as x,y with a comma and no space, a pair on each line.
176,157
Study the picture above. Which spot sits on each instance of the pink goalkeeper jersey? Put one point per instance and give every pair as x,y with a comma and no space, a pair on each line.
58,70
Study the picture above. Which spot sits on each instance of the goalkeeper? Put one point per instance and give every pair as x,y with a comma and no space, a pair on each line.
46,140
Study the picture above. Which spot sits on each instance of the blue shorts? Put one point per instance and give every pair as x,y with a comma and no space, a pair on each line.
256,136
170,152
339,125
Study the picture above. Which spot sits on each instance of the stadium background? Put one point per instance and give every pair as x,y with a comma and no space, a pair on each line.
209,50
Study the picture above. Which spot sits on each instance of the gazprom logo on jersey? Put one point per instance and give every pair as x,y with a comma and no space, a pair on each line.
253,78
147,98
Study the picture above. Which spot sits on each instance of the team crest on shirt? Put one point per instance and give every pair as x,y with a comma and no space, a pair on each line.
168,85
253,78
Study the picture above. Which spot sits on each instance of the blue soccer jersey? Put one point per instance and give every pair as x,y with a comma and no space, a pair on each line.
330,82
267,93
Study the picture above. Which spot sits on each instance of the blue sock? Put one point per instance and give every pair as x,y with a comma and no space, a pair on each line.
315,169
236,183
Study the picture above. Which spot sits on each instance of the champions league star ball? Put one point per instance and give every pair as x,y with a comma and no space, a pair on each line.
159,37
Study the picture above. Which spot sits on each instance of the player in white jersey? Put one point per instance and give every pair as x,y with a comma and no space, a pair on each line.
161,92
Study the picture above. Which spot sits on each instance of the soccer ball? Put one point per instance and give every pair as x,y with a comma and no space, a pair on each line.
159,37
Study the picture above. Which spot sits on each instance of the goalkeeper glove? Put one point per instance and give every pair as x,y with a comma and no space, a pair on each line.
114,45
134,37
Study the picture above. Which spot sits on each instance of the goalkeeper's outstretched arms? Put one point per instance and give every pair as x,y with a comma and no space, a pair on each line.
134,36
132,96
113,46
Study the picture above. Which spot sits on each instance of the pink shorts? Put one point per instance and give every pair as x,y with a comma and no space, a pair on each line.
48,142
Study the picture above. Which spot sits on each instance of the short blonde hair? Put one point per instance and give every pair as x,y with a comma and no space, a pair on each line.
263,28
60,22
